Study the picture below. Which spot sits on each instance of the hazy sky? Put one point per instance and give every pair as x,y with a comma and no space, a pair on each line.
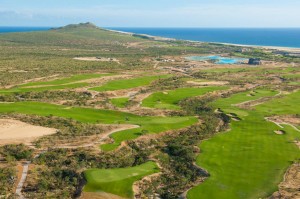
152,13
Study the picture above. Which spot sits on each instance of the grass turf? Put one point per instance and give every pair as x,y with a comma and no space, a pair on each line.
250,160
117,181
170,99
64,83
120,102
128,83
147,124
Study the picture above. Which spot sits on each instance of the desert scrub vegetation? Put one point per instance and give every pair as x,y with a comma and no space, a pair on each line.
59,172
176,153
68,130
48,96
167,83
7,180
16,152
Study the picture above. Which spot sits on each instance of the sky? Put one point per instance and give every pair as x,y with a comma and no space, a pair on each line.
152,13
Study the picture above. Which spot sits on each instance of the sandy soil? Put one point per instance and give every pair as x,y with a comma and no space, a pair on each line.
13,132
99,195
96,59
211,83
289,188
287,119
137,184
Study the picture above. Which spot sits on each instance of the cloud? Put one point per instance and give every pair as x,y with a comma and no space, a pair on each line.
197,15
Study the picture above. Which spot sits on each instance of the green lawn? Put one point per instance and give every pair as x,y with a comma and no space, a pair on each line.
250,160
128,83
227,104
147,124
64,83
117,181
120,102
170,99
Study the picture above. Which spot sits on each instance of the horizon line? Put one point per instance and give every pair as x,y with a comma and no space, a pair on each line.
16,26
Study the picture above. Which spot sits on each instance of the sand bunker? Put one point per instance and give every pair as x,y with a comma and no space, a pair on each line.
96,59
279,132
210,83
13,132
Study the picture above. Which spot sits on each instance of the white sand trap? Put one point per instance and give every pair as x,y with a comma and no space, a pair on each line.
13,131
210,83
279,132
95,59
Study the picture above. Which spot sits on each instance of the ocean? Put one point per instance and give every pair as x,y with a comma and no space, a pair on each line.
281,37
22,29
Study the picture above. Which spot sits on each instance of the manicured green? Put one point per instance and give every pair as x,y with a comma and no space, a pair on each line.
117,181
170,99
147,124
250,160
65,83
289,104
128,83
228,104
120,102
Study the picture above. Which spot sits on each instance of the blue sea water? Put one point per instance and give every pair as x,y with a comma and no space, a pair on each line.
282,37
218,59
22,29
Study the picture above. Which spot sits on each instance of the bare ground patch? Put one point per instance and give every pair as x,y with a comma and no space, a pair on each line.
289,188
98,195
14,132
101,59
210,83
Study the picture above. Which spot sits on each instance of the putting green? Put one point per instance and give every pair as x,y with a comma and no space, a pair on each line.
128,83
250,160
117,181
170,99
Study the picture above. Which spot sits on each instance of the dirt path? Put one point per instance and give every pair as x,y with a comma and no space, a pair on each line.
280,124
251,103
102,137
23,179
156,64
30,80
122,127
24,176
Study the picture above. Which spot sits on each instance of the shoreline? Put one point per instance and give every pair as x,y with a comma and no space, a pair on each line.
288,49
161,38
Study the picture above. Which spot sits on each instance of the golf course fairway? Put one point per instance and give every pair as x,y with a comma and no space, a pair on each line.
250,160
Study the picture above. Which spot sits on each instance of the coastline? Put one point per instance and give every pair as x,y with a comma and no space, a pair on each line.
295,50
289,49
280,48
